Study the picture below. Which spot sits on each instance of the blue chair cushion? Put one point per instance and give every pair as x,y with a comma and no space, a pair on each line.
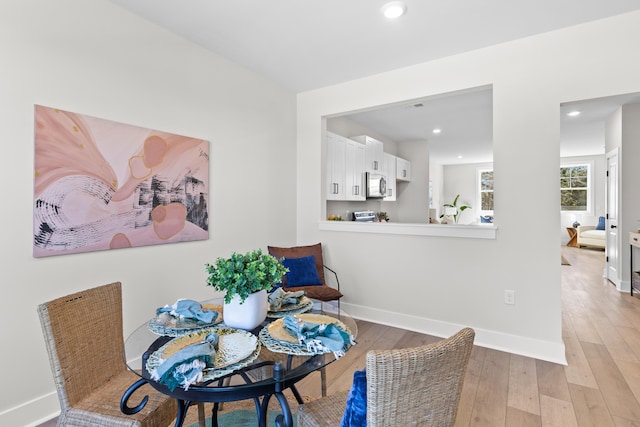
355,414
302,272
600,225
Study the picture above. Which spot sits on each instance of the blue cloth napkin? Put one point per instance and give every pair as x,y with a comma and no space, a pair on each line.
185,367
280,297
189,309
319,337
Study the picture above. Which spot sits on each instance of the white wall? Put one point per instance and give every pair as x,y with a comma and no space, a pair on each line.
629,197
97,59
413,197
439,284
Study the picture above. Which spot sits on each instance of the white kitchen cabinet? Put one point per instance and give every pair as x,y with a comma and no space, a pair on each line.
374,153
336,161
403,169
390,173
354,171
345,169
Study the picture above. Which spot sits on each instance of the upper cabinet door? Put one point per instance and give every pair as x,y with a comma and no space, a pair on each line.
403,169
374,153
335,179
390,173
354,171
345,169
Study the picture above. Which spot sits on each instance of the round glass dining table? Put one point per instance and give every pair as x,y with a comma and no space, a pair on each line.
272,369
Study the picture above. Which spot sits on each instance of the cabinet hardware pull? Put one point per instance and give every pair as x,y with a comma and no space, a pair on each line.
375,165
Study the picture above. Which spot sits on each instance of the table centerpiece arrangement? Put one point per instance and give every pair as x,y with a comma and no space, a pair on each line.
245,279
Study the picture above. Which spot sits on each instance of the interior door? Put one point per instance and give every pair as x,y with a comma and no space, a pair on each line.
613,237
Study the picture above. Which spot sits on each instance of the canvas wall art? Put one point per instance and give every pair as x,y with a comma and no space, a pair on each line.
104,185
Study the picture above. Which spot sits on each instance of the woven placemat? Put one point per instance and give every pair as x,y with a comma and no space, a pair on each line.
226,359
303,306
278,340
166,325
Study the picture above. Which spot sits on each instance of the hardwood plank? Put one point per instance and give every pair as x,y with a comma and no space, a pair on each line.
612,339
490,405
470,386
416,339
552,380
523,385
631,336
614,388
585,330
518,418
567,327
621,422
631,373
578,370
590,407
556,412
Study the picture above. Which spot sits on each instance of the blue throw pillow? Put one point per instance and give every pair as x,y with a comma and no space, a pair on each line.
355,414
600,225
302,271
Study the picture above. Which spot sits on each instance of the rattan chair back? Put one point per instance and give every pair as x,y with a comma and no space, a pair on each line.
405,387
84,339
418,386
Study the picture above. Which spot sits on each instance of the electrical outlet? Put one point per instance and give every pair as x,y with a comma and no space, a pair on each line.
509,297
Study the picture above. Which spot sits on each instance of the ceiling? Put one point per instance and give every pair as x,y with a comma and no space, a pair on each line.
305,45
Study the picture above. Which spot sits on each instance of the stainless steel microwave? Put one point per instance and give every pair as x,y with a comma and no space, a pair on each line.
376,186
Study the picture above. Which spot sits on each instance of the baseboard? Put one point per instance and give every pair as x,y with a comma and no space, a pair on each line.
32,413
530,347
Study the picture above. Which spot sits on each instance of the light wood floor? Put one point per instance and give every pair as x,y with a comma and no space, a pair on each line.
599,387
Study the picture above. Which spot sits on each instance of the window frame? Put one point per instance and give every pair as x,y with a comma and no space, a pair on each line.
479,191
590,183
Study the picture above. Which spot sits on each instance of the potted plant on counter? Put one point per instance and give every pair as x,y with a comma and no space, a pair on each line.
452,209
245,279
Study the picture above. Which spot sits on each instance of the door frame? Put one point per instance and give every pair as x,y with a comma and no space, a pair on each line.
613,245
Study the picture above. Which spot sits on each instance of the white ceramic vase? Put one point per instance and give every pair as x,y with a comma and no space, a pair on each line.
247,315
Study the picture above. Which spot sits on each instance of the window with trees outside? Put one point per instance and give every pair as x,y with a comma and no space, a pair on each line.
485,179
575,185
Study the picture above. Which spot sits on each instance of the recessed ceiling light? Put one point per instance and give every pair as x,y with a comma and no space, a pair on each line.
437,130
460,156
394,9
574,113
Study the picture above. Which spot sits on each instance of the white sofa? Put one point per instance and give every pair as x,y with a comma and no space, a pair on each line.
589,236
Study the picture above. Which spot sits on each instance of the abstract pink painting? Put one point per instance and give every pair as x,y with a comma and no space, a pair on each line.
103,185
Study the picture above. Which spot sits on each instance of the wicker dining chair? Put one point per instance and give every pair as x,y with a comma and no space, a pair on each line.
321,292
405,387
84,339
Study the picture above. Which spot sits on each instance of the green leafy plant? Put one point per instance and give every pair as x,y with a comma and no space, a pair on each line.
382,216
459,209
243,274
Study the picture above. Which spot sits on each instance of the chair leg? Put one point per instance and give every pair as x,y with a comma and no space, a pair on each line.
201,416
323,381
225,383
